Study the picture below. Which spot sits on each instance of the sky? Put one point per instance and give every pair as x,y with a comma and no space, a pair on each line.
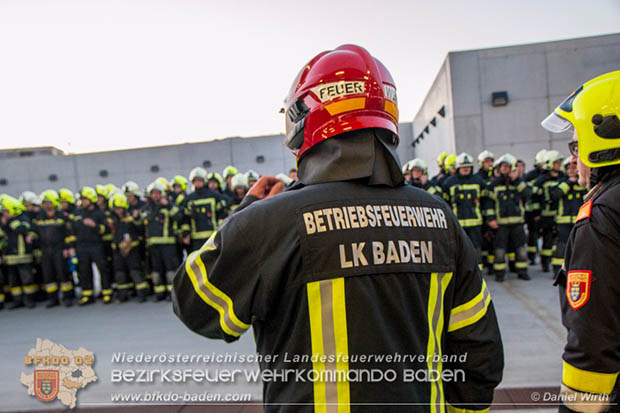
88,75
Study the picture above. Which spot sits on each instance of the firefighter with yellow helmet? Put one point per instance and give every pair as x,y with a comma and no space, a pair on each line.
52,227
298,266
17,255
533,227
88,227
588,281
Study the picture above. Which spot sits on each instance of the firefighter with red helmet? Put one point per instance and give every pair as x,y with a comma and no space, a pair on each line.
346,250
589,283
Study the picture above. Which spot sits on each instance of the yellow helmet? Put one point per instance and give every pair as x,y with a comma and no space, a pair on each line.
450,162
49,196
111,189
180,180
164,182
65,195
593,111
217,177
118,200
89,193
229,170
10,204
101,190
441,158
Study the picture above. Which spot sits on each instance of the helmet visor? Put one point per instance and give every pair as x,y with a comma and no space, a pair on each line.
556,124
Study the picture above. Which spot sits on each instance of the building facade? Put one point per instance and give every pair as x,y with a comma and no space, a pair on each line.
496,98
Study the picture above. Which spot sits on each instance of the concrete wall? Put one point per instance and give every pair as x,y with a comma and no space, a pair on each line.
441,136
537,78
75,171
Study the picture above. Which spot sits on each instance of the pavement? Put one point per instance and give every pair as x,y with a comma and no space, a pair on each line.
528,313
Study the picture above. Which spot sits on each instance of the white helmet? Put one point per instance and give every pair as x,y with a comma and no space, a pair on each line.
284,178
463,160
240,180
197,172
540,157
484,155
251,174
130,187
550,158
418,163
29,198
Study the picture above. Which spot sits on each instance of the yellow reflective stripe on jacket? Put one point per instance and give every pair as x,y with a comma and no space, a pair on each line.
588,381
438,286
452,409
510,220
472,222
160,241
201,234
17,259
328,336
217,299
472,311
70,239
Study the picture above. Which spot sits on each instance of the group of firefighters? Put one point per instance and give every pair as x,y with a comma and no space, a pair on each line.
137,239
495,203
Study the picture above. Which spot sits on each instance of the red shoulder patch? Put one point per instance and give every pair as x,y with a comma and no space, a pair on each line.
578,288
585,211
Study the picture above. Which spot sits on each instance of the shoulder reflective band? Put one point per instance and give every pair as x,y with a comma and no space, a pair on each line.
438,285
328,333
473,310
217,299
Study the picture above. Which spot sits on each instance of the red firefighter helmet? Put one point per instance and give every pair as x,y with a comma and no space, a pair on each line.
339,91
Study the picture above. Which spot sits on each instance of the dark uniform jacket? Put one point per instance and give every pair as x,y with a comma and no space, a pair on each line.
126,228
590,297
464,193
17,250
531,203
204,211
345,271
542,203
484,175
161,223
85,235
52,232
569,197
505,201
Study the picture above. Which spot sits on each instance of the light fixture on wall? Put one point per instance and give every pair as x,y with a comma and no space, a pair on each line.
154,168
103,173
499,98
206,164
260,159
4,182
52,177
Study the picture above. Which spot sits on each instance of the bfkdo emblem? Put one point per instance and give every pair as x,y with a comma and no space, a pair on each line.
578,288
46,384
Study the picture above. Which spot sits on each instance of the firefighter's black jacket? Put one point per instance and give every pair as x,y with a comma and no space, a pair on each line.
506,199
350,269
465,193
126,227
86,235
161,223
204,211
52,232
589,298
17,250
569,197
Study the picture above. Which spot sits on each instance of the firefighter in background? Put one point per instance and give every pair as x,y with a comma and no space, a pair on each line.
465,192
533,231
66,200
127,262
441,159
407,173
252,176
102,204
485,171
589,282
30,201
568,195
52,227
545,215
274,267
216,184
204,210
507,194
228,173
239,185
161,219
179,190
18,253
89,226
131,190
520,168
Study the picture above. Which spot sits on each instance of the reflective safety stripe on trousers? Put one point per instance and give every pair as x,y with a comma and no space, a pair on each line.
328,331
439,284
